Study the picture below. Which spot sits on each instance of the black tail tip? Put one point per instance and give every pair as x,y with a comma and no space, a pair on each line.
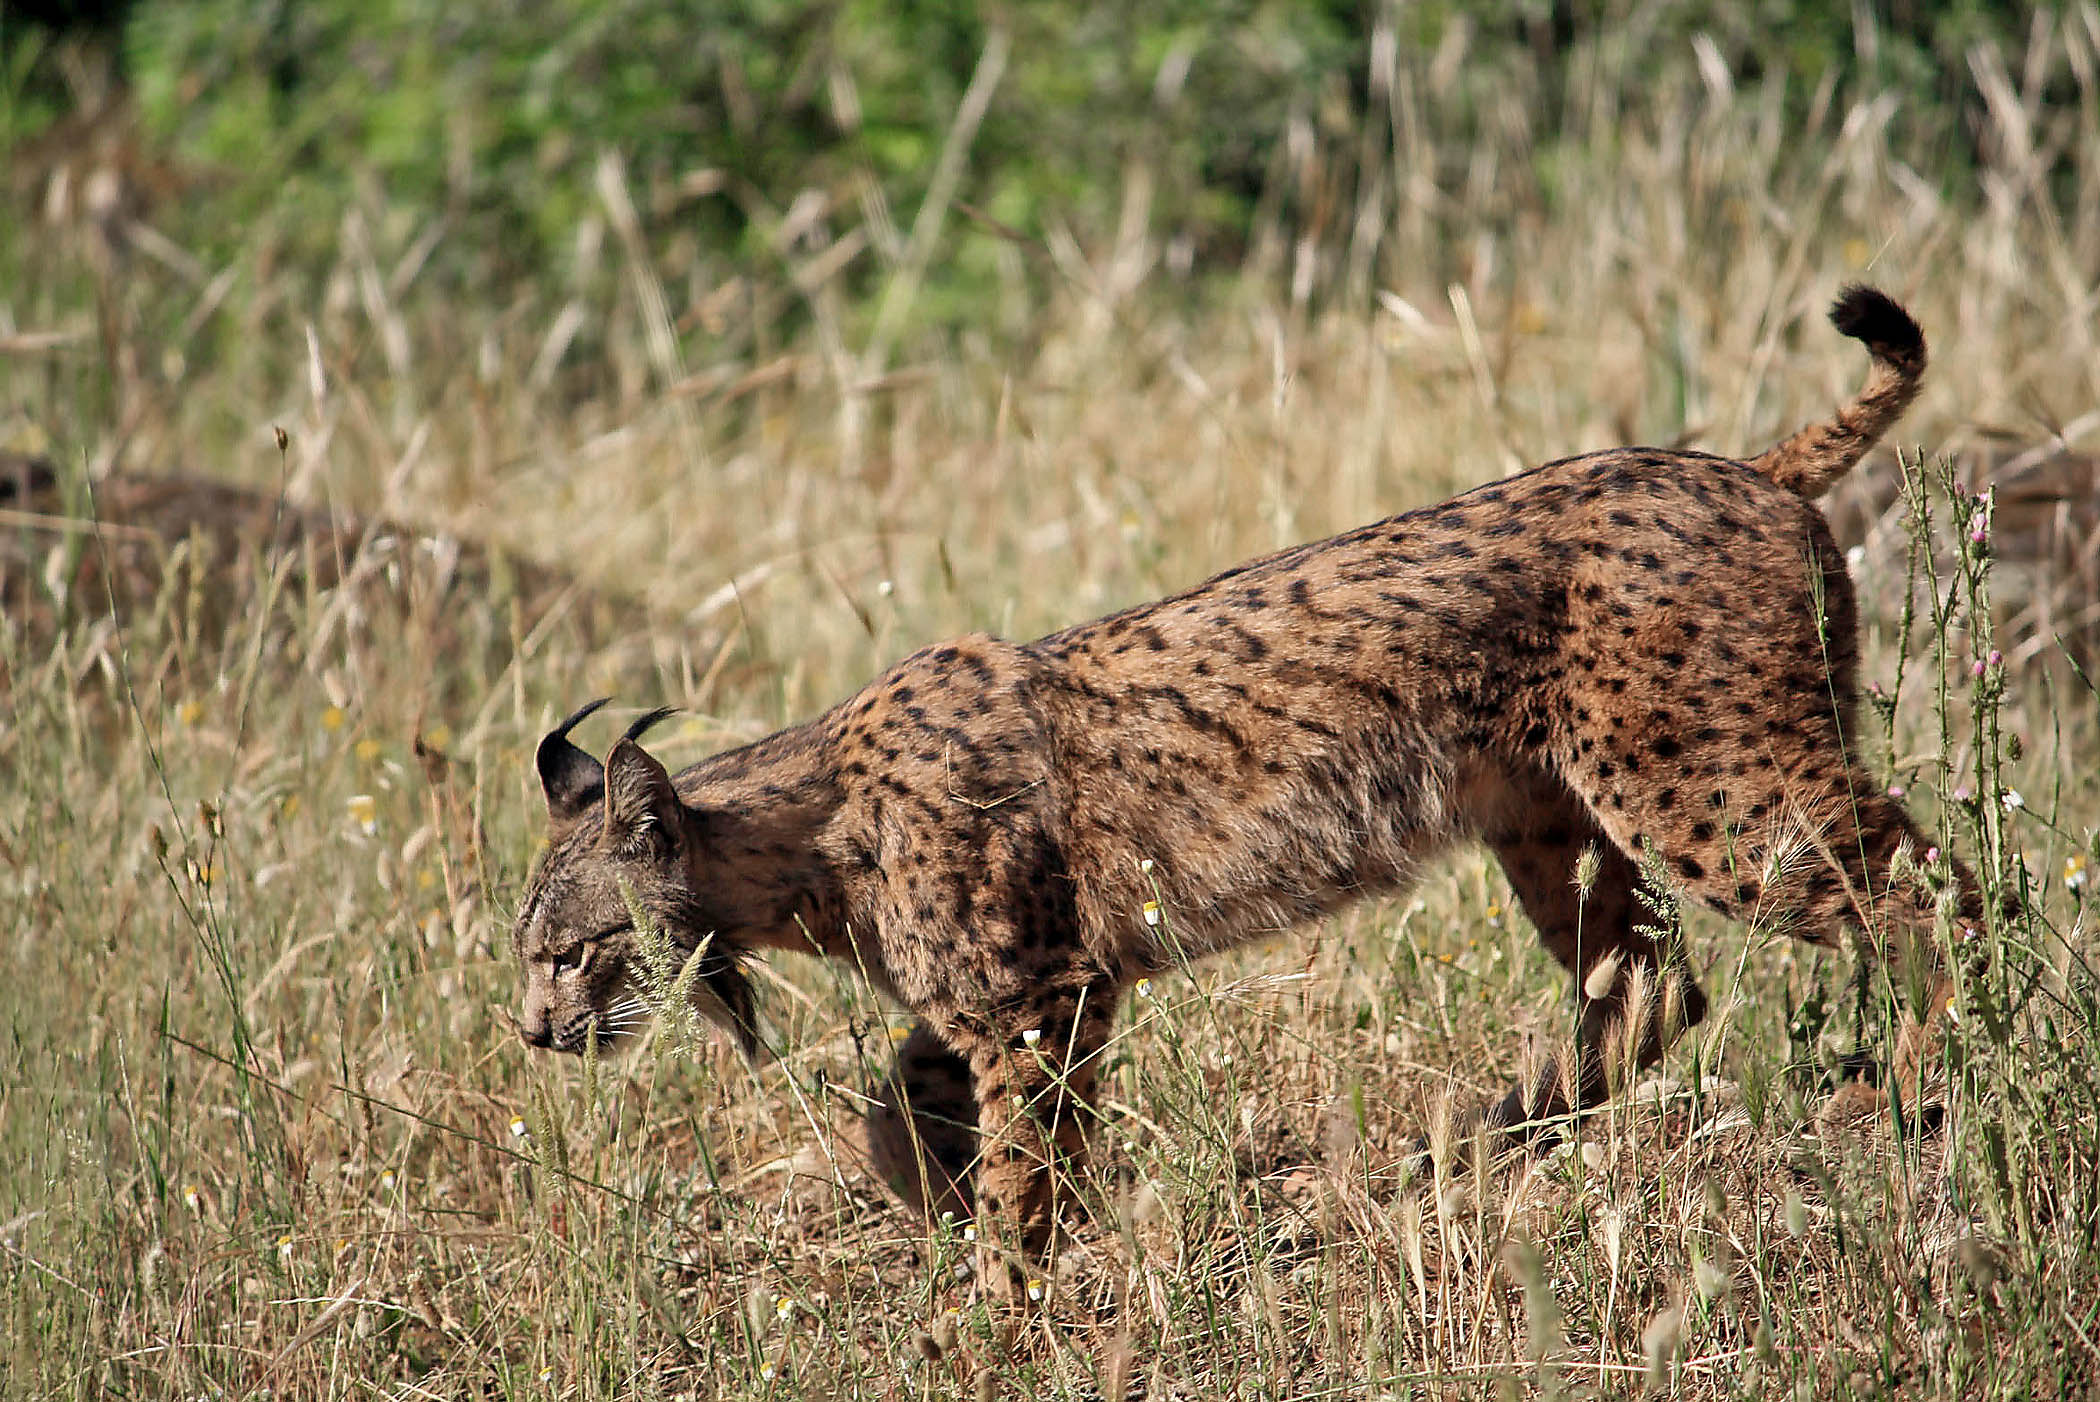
1871,315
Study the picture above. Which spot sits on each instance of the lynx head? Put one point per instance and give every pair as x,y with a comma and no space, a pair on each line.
614,912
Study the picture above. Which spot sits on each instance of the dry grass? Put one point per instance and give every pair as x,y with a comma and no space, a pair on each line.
265,1123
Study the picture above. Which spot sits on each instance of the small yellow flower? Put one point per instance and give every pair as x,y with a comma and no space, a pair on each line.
517,1127
289,808
192,1198
425,879
190,712
364,811
1144,988
366,750
2074,871
284,1247
1495,913
438,736
1151,912
332,719
1035,1290
899,1032
785,1309
387,1179
342,1244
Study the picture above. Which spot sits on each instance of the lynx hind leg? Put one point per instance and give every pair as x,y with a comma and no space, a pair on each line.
922,1131
1813,852
1633,998
1866,874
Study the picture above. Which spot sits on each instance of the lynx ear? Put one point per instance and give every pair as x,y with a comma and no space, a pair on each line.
642,808
571,779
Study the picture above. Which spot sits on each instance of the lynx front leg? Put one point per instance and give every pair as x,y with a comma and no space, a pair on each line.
922,1133
1034,1075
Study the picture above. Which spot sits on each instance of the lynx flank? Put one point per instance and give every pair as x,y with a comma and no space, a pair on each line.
1646,655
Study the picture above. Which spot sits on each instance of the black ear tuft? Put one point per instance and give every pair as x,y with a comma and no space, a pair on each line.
642,807
650,722
571,779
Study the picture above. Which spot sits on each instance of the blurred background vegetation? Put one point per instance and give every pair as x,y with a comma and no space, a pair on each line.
755,134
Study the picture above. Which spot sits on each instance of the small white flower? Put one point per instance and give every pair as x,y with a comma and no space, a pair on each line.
386,1179
2074,871
364,811
1144,988
766,1372
1035,1290
1151,912
1145,866
284,1247
1856,556
192,1198
517,1127
785,1309
2012,800
1032,1036
970,1232
886,588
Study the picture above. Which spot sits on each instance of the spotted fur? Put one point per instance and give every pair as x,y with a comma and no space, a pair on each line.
1649,656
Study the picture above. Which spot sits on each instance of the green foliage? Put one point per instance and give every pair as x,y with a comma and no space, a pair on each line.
493,114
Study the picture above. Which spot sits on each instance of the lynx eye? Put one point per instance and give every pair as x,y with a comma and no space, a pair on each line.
569,959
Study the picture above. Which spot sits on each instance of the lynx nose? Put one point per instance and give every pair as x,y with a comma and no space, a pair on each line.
537,1033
